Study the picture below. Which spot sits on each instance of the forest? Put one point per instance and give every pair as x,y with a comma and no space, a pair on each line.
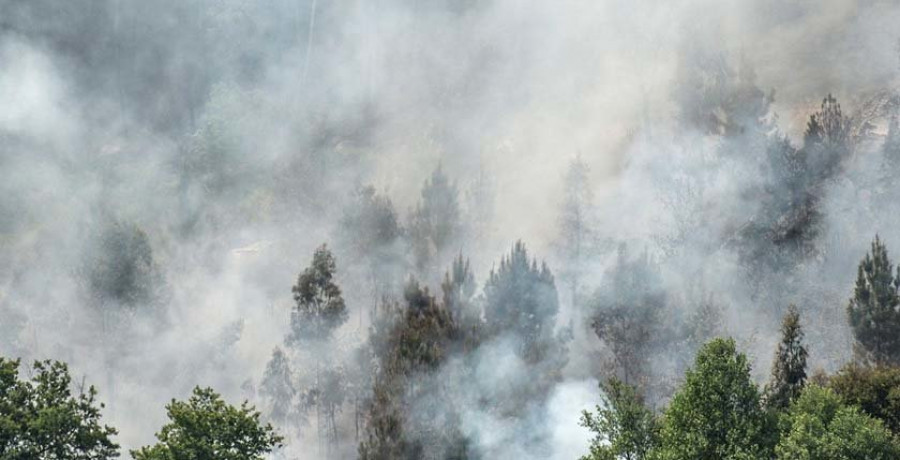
448,230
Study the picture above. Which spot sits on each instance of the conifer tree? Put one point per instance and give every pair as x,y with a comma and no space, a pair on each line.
577,238
521,297
789,367
435,222
874,309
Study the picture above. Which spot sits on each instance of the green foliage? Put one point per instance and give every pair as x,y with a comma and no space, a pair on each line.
874,309
521,298
820,427
874,390
319,308
624,428
716,414
41,419
120,269
789,367
414,348
206,428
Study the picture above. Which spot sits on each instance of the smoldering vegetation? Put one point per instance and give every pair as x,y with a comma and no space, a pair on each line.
429,229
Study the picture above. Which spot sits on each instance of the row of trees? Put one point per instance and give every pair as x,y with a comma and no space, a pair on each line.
718,412
42,418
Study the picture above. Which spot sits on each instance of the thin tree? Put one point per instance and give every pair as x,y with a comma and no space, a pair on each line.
789,368
319,310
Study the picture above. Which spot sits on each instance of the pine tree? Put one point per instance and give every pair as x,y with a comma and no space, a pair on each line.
826,142
435,223
413,349
521,298
458,287
577,238
789,368
874,309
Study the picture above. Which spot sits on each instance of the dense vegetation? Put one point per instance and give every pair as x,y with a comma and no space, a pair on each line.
442,230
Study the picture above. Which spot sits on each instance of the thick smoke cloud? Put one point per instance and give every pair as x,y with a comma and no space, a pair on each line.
233,136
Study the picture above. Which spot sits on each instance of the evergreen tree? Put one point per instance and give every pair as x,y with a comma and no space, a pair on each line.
458,288
435,223
412,351
716,414
40,419
207,428
826,142
789,367
874,309
623,428
577,238
520,297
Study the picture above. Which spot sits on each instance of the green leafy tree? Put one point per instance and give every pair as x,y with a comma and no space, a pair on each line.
875,390
207,428
624,428
874,309
819,426
41,419
120,269
716,414
318,312
789,367
319,306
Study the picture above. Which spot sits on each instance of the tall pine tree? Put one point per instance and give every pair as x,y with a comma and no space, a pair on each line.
789,368
874,309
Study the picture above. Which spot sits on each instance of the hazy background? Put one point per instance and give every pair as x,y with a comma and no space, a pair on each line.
233,134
